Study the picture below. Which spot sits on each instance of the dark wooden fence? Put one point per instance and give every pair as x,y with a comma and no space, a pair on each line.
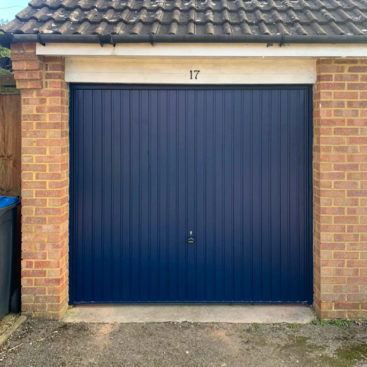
10,135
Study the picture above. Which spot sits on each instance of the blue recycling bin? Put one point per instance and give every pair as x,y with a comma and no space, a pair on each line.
8,249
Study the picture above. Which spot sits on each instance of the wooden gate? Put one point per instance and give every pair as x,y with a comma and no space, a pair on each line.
10,135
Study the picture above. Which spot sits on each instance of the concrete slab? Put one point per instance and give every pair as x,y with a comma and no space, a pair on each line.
191,313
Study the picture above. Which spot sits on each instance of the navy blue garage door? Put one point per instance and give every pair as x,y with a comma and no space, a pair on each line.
190,194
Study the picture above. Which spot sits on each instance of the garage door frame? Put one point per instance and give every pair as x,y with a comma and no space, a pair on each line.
202,86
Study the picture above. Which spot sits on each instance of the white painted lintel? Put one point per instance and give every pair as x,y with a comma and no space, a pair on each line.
190,70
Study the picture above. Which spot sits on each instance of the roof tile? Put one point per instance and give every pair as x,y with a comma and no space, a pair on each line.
190,17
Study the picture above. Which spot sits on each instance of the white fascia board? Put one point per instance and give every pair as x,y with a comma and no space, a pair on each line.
204,50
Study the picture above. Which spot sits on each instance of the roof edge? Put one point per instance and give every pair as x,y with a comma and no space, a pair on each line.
7,39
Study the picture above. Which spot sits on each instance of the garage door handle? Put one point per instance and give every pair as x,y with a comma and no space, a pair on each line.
190,241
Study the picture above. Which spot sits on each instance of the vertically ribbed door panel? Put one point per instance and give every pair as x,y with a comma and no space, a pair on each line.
190,194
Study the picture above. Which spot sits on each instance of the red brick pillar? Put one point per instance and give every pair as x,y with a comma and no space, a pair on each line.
340,188
45,181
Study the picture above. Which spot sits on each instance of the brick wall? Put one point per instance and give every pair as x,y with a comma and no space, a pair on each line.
340,185
340,188
45,181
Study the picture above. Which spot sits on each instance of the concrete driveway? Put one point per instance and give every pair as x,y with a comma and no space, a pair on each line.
45,343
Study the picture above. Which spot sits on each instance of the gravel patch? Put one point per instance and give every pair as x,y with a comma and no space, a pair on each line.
39,343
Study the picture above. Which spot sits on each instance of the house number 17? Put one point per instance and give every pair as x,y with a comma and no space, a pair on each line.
194,74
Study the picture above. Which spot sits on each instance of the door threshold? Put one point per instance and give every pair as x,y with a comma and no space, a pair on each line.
203,313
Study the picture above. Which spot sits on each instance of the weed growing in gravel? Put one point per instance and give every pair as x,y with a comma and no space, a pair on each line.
293,326
339,323
320,322
255,326
342,323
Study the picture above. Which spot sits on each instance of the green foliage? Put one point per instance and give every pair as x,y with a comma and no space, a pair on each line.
293,326
253,328
4,52
320,322
341,323
5,72
336,322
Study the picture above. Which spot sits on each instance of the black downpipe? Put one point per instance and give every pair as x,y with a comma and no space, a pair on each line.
7,39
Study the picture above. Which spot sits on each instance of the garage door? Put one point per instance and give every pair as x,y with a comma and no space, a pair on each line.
190,194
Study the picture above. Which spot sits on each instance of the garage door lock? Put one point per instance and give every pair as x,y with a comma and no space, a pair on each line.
190,240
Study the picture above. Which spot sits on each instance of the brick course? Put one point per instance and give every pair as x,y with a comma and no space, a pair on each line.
339,170
45,181
340,182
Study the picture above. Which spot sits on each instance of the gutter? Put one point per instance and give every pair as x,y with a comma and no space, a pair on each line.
7,39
